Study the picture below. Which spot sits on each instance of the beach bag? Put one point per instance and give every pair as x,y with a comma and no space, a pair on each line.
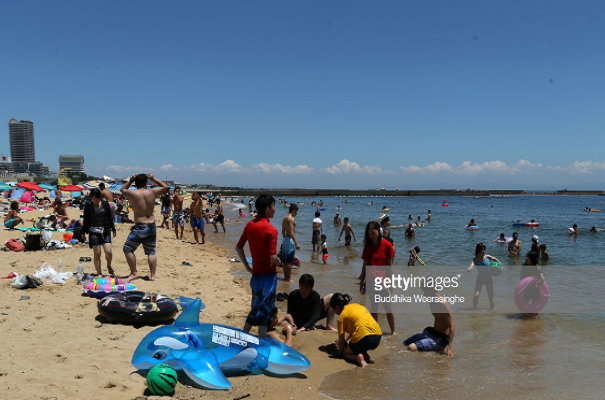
33,241
14,245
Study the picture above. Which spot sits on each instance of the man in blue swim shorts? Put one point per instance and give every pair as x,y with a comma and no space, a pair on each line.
289,245
143,232
262,238
178,216
440,336
197,220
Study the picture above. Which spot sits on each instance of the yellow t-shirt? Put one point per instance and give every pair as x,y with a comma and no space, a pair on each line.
356,320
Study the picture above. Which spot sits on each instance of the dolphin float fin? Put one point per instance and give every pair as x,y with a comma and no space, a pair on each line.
204,370
190,315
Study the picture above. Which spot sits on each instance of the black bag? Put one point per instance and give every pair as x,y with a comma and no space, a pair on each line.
33,241
78,233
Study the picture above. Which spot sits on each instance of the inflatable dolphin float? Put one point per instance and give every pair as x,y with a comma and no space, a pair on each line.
206,351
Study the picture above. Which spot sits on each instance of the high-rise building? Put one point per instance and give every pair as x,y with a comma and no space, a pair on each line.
21,136
72,162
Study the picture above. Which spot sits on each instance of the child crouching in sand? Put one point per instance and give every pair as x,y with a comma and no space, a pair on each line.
362,328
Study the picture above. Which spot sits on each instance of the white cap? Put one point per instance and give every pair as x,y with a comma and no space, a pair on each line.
382,217
534,238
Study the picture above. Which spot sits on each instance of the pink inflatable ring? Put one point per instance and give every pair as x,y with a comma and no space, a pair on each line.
536,306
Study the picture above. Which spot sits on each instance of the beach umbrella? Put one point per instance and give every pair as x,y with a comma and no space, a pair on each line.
4,186
46,186
71,188
91,184
30,186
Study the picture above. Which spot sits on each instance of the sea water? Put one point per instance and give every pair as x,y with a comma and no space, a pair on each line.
558,354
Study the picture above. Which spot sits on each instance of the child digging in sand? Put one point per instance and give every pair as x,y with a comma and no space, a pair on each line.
288,330
360,326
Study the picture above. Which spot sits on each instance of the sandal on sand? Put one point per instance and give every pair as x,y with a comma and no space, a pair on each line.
110,270
186,263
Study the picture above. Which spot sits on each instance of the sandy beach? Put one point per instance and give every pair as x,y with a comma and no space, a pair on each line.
56,346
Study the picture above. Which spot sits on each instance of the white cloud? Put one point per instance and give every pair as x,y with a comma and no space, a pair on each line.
580,168
228,166
285,169
468,168
345,167
168,167
124,168
436,167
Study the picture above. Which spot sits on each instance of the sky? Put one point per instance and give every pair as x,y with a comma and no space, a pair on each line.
314,94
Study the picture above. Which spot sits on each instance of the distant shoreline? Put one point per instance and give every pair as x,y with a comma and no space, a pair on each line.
249,192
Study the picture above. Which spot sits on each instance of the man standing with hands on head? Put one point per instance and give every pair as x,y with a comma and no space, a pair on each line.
262,238
143,232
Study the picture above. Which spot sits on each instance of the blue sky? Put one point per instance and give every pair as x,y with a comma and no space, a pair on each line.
315,94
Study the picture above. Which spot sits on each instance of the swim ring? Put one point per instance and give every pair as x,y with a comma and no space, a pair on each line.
136,307
102,287
526,286
444,204
571,231
472,227
385,209
507,239
495,268
518,224
533,224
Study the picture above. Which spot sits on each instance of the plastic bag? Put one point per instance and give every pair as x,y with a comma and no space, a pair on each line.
19,282
46,236
46,271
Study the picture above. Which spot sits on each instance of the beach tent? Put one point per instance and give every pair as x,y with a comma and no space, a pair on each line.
17,193
75,195
53,194
27,197
4,186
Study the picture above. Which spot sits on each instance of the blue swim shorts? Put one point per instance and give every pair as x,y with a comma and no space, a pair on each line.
179,218
288,248
141,234
9,223
263,299
429,340
197,223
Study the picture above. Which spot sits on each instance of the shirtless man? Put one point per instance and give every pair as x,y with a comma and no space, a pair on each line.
197,220
348,231
106,193
178,216
317,231
108,196
219,217
440,336
514,247
61,214
143,232
289,245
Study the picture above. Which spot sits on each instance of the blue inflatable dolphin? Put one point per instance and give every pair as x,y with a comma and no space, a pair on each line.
206,351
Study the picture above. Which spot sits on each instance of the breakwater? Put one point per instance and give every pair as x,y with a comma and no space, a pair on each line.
284,192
